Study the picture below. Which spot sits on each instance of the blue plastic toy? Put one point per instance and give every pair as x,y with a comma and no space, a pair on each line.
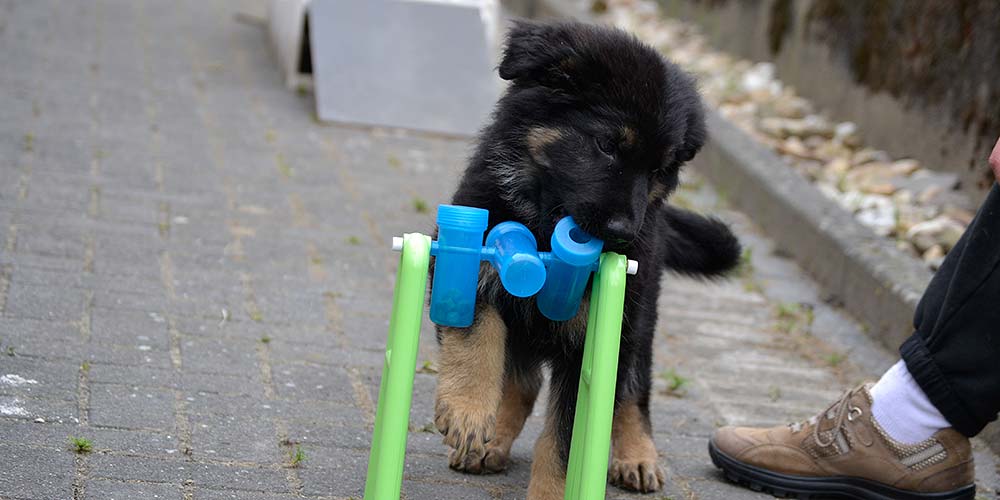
558,277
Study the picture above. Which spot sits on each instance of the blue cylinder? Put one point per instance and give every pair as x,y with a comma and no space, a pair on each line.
456,268
514,254
574,254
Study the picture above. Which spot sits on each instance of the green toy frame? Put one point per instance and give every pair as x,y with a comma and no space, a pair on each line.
586,476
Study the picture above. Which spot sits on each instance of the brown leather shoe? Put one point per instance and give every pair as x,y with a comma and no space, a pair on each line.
843,452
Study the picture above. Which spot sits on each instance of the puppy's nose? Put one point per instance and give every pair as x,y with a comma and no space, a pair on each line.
619,230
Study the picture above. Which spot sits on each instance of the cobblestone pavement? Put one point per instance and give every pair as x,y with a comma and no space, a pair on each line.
195,277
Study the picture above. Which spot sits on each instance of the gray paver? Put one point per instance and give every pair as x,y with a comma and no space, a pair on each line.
118,490
131,407
36,473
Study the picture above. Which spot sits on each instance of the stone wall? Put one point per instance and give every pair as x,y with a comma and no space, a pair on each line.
922,79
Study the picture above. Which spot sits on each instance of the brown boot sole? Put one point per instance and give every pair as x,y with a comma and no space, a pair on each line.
785,485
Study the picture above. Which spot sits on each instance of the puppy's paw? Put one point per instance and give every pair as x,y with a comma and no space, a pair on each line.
493,461
642,475
496,459
467,428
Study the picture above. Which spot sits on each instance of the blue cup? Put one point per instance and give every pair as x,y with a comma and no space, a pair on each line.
456,269
574,255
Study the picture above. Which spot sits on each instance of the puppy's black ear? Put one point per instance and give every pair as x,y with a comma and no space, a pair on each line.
537,52
695,136
697,245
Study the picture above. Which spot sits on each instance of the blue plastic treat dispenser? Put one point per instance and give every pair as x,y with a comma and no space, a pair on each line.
574,256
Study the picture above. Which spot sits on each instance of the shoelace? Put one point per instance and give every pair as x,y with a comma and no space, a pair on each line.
842,412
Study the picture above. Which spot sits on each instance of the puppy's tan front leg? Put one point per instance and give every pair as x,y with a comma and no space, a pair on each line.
515,407
633,454
470,381
548,472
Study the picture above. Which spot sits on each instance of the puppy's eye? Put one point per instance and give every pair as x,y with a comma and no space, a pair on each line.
607,145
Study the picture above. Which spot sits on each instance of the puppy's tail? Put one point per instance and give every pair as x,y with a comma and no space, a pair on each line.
697,245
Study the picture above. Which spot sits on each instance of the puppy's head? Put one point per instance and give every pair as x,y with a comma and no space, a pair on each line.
595,124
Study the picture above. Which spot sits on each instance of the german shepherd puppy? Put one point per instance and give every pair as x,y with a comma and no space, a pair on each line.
596,125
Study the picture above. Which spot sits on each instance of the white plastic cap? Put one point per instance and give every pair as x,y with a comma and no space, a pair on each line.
397,243
633,267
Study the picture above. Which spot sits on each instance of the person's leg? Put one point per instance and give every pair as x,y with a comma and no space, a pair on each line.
902,408
907,435
953,353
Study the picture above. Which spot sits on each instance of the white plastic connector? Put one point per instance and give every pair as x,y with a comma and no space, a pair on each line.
397,243
633,267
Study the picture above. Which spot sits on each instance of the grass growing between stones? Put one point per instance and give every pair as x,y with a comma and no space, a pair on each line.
774,393
795,321
428,368
675,383
794,318
429,427
745,272
394,161
420,206
283,166
80,444
256,315
835,359
296,456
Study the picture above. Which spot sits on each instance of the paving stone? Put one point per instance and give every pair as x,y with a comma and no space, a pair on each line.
345,477
132,301
235,438
118,490
131,407
143,376
144,330
302,381
42,302
415,490
125,468
38,379
36,276
227,494
50,410
63,264
35,472
240,478
55,241
220,356
715,486
126,356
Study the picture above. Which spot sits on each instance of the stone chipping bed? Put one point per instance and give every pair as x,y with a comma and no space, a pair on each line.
898,198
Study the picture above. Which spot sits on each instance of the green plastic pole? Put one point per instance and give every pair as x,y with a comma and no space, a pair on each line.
392,418
587,473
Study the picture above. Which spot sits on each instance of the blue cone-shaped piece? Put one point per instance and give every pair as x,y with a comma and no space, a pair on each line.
574,255
515,257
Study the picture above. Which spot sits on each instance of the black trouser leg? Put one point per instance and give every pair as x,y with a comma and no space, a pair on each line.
955,352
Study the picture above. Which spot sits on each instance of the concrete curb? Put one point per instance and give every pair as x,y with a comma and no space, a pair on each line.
861,271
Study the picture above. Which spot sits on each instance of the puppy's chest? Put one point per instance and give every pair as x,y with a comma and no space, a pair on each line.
522,316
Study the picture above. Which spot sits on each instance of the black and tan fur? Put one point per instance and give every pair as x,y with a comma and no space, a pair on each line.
595,125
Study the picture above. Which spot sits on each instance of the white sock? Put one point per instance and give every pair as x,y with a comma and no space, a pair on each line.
902,409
